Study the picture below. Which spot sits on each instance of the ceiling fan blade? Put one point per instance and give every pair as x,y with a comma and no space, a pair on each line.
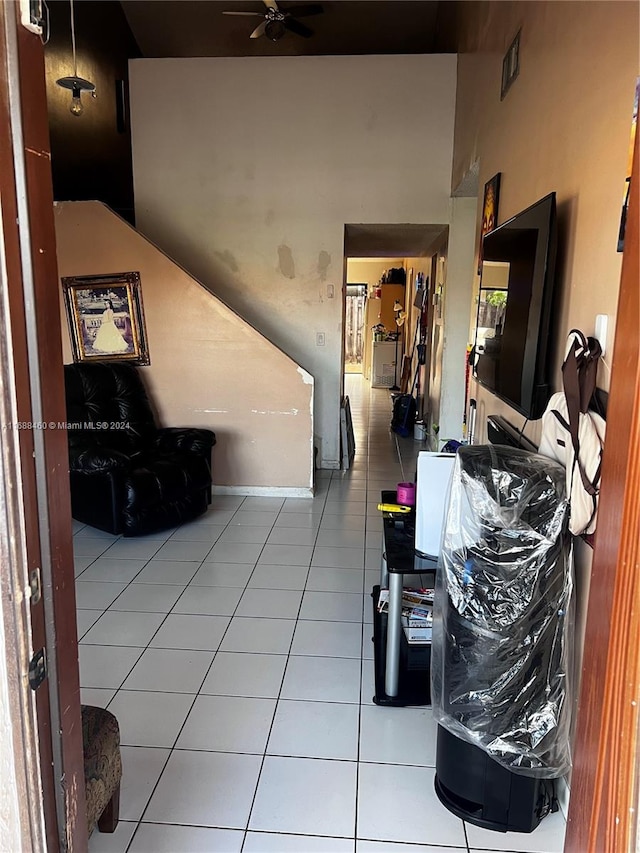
271,4
304,11
297,28
259,30
253,14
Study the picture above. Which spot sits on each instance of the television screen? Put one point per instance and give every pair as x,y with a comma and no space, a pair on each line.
514,308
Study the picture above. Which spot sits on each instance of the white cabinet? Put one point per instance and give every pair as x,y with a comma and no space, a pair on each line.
383,369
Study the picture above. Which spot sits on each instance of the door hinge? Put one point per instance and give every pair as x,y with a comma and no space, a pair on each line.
37,669
35,586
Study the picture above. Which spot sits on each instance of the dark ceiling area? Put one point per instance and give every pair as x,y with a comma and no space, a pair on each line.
387,241
181,28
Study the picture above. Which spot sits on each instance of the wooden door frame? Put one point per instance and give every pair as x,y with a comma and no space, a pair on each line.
604,788
40,501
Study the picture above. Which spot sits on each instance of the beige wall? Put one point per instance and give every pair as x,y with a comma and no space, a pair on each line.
247,169
563,126
208,367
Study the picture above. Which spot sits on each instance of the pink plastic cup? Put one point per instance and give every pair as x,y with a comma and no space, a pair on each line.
406,494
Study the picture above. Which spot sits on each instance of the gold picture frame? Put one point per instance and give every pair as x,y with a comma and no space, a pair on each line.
490,202
106,317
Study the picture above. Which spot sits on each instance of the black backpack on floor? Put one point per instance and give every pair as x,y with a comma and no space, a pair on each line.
404,415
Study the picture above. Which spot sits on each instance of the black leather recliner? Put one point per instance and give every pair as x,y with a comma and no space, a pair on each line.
127,475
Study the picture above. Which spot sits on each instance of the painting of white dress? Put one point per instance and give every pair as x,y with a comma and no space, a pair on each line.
106,319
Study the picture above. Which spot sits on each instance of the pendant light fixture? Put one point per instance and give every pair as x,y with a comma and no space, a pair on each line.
76,84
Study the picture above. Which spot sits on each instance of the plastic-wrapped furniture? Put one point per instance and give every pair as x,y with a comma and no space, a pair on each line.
127,475
502,650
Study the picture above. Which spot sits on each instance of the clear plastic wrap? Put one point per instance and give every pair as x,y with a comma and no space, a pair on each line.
502,651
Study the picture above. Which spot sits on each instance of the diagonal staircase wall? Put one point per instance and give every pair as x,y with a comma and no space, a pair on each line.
209,367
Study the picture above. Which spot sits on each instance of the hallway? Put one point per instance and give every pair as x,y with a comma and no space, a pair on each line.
236,654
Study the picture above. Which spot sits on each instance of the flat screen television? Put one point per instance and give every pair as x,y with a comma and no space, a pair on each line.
514,308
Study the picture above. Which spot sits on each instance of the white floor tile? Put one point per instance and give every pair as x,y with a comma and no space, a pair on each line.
372,558
398,803
279,577
276,842
134,549
301,795
228,724
342,522
373,539
327,639
292,535
261,504
93,595
266,636
340,538
206,789
112,842
148,597
219,517
238,674
310,520
322,679
225,502
303,504
98,696
547,837
334,580
120,628
232,552
208,600
286,555
163,838
81,563
85,619
315,730
106,666
198,533
244,534
178,572
367,641
139,720
141,769
191,632
113,570
390,847
89,547
270,603
223,574
338,558
255,518
350,507
398,736
176,550
169,671
332,606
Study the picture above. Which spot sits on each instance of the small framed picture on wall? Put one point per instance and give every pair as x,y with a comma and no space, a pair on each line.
106,319
489,211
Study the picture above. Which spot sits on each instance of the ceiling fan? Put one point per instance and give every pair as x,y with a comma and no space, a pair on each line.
277,22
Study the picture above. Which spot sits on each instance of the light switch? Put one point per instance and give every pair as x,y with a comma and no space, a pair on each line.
331,291
320,340
602,321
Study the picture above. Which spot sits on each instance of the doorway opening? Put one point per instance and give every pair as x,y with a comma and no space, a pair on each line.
386,299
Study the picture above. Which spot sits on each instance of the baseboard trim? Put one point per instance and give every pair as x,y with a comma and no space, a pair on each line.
563,792
263,491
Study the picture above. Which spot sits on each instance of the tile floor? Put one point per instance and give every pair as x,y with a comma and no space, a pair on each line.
236,653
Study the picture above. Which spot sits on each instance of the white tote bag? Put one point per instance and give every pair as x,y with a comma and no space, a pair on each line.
573,435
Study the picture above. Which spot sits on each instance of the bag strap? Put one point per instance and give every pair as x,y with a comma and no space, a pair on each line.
579,371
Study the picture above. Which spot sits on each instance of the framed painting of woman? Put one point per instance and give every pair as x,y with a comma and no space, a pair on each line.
106,318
